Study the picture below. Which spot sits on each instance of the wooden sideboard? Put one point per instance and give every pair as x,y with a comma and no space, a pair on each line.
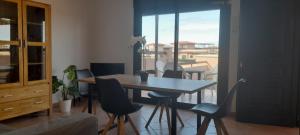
25,58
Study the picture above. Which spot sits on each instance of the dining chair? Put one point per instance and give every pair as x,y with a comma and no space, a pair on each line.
215,112
163,99
83,88
115,101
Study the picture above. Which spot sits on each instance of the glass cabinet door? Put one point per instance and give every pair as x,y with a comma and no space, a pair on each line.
36,35
11,61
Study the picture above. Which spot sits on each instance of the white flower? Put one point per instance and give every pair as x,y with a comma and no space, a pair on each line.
139,39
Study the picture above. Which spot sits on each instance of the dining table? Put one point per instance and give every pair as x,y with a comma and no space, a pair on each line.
158,84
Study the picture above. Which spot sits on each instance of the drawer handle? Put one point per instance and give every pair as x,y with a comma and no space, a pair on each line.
6,96
8,109
37,91
39,102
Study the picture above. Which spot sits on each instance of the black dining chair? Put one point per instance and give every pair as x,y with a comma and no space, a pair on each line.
83,88
215,112
163,99
115,101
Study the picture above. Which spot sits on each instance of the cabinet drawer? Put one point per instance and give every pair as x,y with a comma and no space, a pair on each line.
13,94
8,110
35,91
35,104
21,107
8,95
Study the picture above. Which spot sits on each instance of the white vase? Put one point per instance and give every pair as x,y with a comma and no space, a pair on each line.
65,106
56,97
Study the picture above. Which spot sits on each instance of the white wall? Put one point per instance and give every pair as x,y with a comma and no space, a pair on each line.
69,34
110,30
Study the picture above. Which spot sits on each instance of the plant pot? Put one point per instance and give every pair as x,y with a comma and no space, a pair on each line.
65,106
56,97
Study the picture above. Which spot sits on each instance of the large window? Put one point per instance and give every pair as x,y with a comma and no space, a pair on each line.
195,52
198,50
148,58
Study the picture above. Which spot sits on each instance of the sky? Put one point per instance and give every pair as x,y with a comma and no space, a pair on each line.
199,27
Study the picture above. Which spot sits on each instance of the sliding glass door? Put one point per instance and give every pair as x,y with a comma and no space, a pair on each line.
198,50
188,41
159,50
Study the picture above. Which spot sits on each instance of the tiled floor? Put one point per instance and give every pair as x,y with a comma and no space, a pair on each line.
156,128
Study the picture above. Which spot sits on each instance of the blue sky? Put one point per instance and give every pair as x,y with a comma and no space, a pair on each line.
200,27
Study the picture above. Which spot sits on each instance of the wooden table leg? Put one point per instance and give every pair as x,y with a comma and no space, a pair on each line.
173,116
198,115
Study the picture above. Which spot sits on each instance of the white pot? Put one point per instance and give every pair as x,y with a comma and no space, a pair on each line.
65,106
56,97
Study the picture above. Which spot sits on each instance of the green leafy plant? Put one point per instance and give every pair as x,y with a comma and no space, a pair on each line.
56,84
71,88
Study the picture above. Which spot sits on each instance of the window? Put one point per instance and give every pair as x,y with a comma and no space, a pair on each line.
197,45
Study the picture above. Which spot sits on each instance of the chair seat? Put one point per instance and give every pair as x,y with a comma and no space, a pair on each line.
162,95
206,109
124,111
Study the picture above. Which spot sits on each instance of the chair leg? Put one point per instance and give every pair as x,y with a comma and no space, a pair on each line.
151,117
108,115
218,127
223,127
108,125
179,118
161,112
204,125
84,107
121,125
133,126
74,101
168,118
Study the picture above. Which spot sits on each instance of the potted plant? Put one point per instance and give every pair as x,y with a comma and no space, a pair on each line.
67,90
56,85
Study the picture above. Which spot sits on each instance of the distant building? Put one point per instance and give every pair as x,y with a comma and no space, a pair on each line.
188,53
186,45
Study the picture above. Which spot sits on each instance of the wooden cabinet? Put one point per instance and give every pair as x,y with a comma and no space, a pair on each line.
25,58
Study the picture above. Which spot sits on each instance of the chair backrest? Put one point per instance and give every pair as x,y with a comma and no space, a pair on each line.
83,87
173,74
170,66
112,96
225,106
